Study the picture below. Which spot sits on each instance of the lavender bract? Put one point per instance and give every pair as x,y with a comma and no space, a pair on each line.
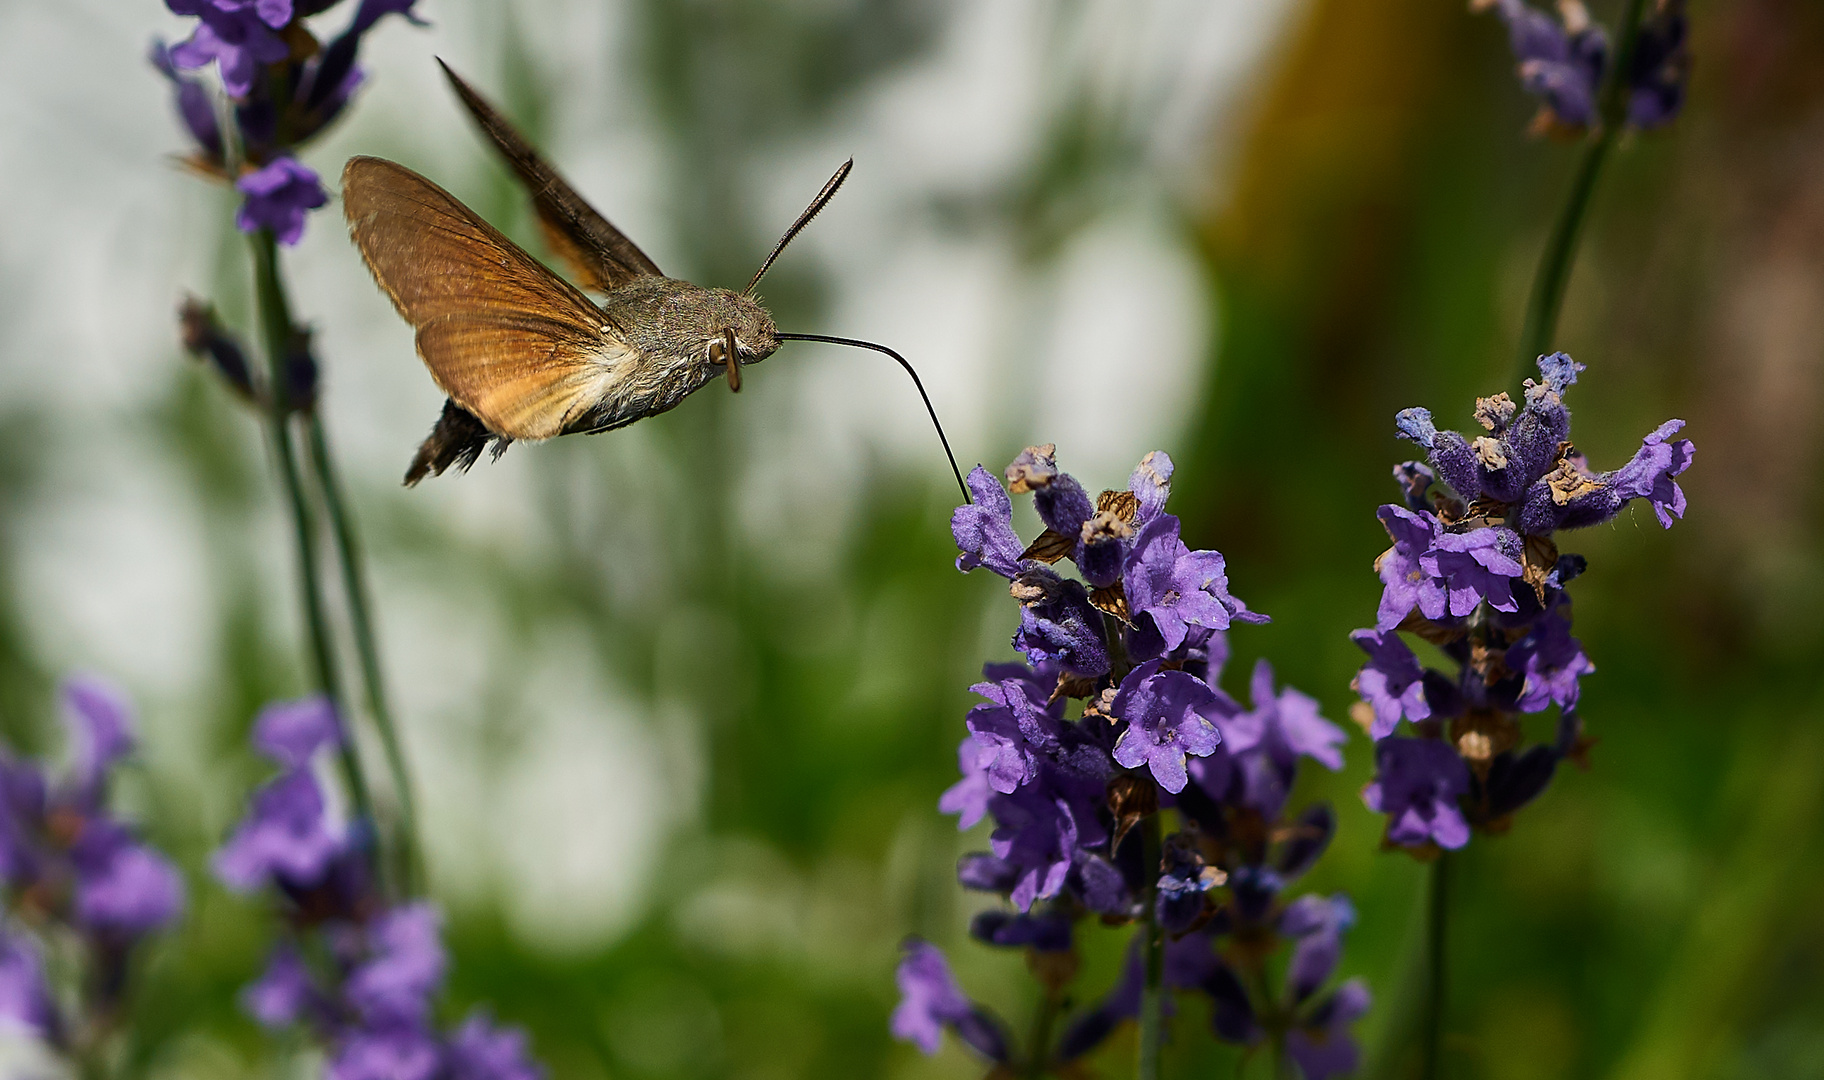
1077,802
1475,570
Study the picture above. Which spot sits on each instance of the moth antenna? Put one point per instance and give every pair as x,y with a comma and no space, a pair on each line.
811,211
859,344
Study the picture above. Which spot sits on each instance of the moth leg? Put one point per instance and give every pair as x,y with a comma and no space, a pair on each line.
726,353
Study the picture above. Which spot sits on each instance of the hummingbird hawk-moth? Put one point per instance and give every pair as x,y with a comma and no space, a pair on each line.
524,355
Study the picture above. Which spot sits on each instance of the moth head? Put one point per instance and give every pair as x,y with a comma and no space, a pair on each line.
755,337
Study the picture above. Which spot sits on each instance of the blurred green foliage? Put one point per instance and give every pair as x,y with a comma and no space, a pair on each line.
1654,917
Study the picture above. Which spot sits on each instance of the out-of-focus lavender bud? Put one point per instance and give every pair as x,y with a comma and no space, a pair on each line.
205,339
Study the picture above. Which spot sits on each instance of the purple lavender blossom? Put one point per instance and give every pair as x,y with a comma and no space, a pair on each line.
1560,63
285,839
238,40
1151,483
1322,1045
1475,567
1417,784
1391,681
1016,729
405,966
1551,661
968,797
1058,624
403,1052
1660,68
984,528
930,1001
1318,924
123,887
1167,718
61,841
480,1050
279,195
291,732
1179,588
1407,584
25,997
283,994
191,99
1266,741
1042,826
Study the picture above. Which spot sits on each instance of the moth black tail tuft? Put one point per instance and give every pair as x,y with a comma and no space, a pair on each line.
457,440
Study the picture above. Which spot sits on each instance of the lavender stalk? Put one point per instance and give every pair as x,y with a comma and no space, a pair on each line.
277,331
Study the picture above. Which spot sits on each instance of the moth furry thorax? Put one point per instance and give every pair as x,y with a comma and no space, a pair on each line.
660,316
659,332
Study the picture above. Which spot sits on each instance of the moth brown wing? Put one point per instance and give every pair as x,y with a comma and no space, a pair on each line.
600,255
504,337
527,378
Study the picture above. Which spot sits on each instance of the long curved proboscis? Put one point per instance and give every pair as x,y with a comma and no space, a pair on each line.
916,381
823,199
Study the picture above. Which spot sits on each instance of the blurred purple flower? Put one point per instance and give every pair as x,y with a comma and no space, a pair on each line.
25,997
930,1001
479,1050
1417,784
291,732
239,40
283,994
285,839
278,196
404,968
123,886
1318,924
399,1052
1322,1045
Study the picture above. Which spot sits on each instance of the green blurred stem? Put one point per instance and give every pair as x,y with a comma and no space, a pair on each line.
354,582
1152,994
1437,915
1555,264
1038,1054
276,330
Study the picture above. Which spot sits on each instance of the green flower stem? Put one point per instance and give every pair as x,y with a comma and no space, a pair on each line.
354,582
1437,915
276,330
1038,1054
1554,273
1152,995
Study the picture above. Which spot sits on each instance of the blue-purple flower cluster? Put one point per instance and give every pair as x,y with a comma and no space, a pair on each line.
357,972
1474,570
284,89
1139,637
1563,62
71,867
